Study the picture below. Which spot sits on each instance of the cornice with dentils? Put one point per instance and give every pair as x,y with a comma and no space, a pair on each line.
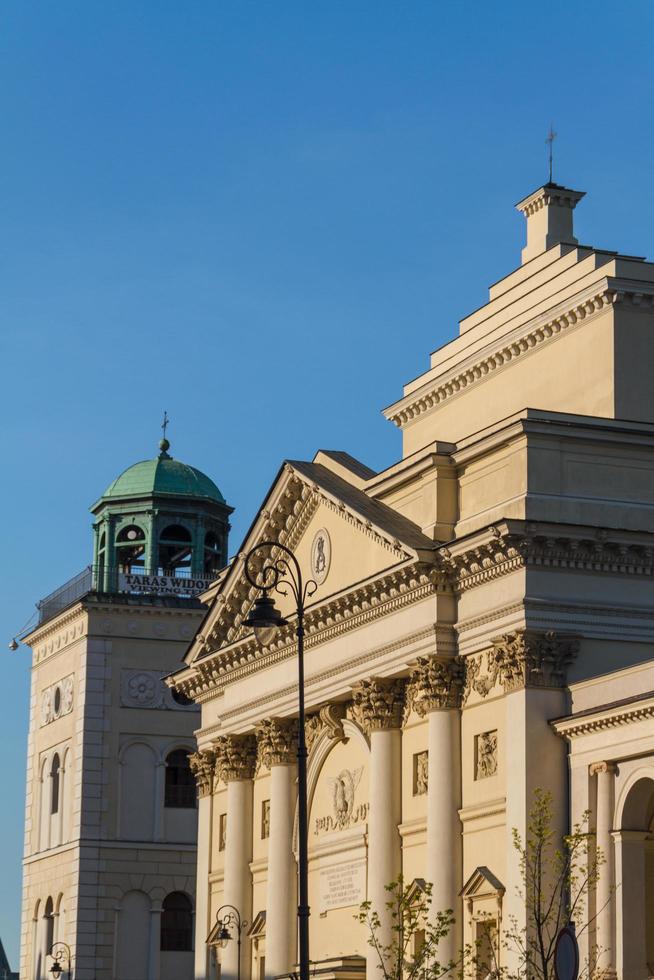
523,340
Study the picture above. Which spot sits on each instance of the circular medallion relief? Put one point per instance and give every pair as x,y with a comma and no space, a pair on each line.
321,556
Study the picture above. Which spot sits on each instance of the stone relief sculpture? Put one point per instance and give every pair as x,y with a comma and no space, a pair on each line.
486,755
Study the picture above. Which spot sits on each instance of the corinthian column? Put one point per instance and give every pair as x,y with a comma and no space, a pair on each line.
277,745
435,692
202,765
605,772
235,763
377,707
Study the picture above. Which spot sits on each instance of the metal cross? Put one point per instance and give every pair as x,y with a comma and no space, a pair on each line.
551,136
164,424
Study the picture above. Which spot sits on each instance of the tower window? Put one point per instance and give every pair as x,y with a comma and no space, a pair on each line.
213,554
175,549
177,923
130,548
180,782
54,787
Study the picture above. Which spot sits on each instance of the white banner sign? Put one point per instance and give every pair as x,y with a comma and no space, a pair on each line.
163,584
342,885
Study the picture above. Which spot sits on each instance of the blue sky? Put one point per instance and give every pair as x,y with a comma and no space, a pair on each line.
262,216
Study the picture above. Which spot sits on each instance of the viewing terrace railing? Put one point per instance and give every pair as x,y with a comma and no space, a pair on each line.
127,581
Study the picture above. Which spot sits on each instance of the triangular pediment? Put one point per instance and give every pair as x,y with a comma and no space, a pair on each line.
481,883
340,536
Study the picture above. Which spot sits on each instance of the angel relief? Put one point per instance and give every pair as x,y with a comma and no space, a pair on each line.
345,810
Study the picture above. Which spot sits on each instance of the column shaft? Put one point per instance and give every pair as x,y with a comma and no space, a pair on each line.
238,881
384,849
444,851
281,894
154,957
202,910
605,898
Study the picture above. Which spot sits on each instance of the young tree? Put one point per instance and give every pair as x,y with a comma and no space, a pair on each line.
416,932
556,884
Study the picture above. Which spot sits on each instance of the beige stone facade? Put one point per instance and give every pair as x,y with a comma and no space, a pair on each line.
103,847
479,605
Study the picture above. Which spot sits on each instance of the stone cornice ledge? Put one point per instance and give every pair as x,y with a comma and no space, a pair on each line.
522,340
350,610
604,717
501,548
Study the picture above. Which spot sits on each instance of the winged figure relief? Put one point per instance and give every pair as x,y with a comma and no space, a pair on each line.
343,788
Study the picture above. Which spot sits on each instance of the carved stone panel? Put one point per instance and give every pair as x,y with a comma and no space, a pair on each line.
485,755
57,699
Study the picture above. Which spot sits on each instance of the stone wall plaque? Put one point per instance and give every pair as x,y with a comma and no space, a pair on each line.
342,885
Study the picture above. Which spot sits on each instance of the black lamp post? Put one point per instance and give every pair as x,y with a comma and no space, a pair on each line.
231,919
59,952
271,566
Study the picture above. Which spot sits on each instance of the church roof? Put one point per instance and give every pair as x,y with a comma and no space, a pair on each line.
163,475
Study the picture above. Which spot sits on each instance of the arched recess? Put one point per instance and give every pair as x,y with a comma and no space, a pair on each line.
137,796
66,803
36,952
133,941
60,919
317,757
635,871
56,787
43,797
338,776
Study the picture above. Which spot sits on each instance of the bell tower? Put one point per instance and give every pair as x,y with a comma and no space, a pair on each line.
161,526
111,807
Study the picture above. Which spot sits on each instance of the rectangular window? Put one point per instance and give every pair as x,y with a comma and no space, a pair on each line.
265,819
262,968
222,831
420,773
485,943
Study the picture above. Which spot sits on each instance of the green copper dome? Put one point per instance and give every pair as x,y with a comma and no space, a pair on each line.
163,475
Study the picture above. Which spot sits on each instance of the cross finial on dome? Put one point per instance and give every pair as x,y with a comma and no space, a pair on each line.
164,445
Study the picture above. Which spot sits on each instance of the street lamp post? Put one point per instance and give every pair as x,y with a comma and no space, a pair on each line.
231,918
269,567
58,952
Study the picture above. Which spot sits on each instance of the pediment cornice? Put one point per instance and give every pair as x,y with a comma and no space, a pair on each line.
284,518
359,606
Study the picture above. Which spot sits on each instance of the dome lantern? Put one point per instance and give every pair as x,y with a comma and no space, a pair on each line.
158,525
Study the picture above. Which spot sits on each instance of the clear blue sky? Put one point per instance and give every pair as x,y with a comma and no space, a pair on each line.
262,216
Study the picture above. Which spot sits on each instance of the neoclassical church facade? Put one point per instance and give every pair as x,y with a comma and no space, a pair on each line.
111,810
482,626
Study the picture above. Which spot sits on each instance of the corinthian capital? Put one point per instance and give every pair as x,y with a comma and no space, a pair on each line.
236,757
529,659
203,767
435,683
377,704
277,741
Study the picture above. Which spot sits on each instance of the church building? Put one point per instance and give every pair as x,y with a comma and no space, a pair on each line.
481,628
111,814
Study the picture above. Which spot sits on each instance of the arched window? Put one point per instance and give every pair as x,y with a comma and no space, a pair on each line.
130,549
54,786
177,923
175,549
48,916
180,782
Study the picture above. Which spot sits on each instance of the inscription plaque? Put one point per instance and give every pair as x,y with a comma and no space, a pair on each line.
342,885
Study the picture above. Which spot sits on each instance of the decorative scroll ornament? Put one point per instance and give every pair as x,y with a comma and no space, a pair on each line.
276,741
203,765
435,683
482,682
377,704
236,757
312,730
528,659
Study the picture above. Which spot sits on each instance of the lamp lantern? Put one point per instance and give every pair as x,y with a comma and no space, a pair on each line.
265,619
